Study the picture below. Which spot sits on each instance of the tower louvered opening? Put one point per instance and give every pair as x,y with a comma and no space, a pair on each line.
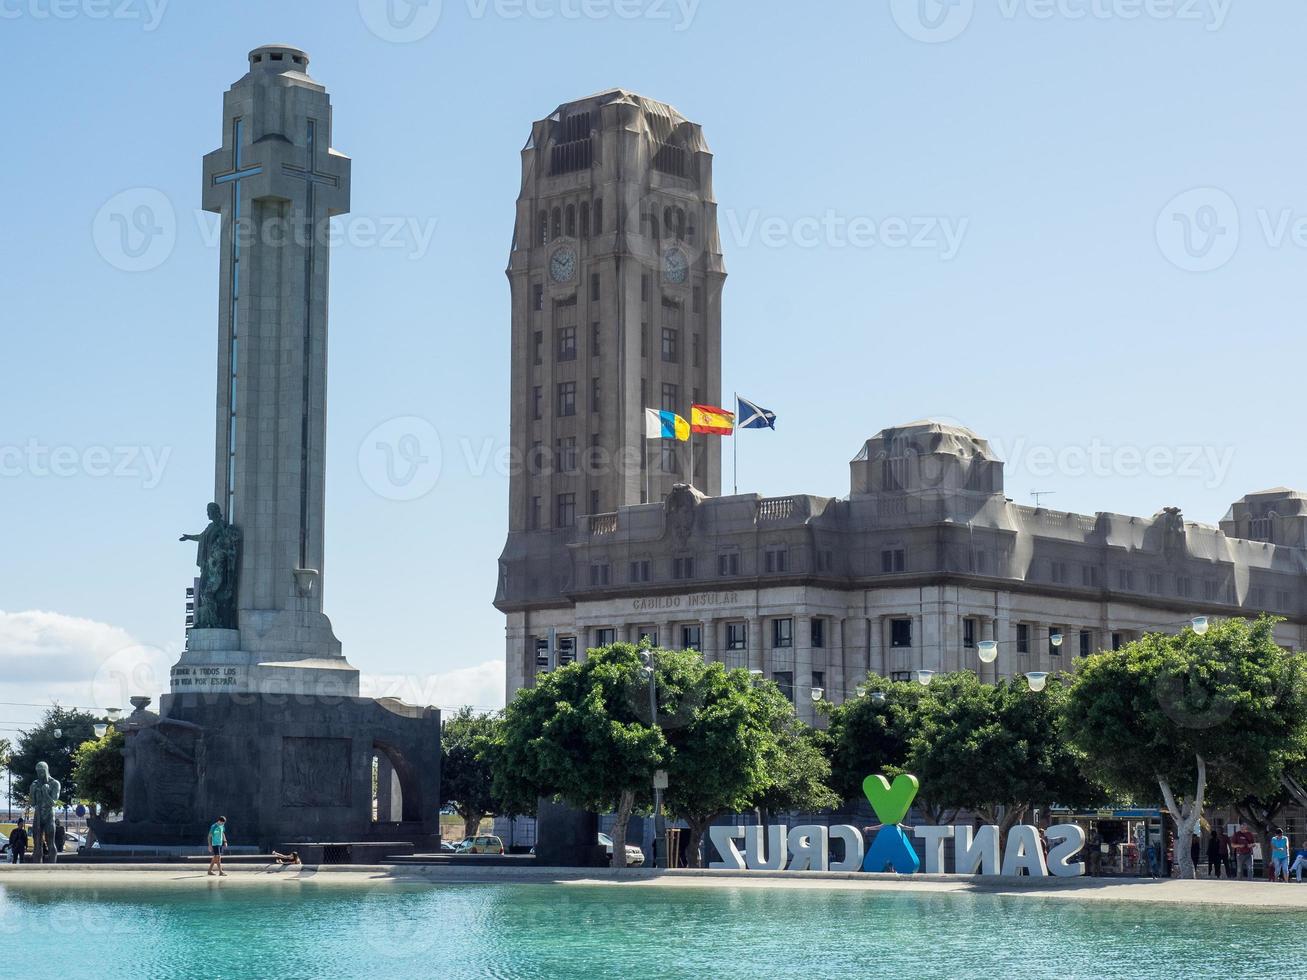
574,149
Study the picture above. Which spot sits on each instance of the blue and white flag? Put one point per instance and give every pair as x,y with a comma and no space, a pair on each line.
751,416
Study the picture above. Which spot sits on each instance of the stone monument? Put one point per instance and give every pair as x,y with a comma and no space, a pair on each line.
275,181
43,795
263,722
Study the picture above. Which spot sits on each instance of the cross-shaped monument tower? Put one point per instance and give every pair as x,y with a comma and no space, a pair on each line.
276,182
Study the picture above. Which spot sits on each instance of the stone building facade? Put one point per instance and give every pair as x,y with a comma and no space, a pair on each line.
923,560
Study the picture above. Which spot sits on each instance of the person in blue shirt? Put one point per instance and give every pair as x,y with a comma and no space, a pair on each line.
217,841
1280,856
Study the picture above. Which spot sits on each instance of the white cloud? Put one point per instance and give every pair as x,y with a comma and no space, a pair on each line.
48,657
481,686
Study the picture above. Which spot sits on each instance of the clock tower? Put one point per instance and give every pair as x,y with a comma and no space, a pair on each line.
616,278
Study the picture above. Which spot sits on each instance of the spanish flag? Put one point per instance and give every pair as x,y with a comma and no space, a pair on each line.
711,420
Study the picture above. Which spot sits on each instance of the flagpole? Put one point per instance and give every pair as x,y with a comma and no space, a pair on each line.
735,449
691,457
646,471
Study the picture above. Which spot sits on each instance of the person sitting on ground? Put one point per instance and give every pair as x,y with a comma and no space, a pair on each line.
1299,862
292,858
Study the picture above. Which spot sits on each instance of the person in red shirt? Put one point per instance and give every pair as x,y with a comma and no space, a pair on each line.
1242,845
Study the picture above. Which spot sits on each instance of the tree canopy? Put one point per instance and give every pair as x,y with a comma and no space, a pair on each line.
98,771
870,736
466,779
1220,714
41,744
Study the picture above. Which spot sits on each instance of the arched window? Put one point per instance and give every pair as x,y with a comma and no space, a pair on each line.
571,221
585,219
599,216
653,227
557,226
690,231
680,224
669,222
542,228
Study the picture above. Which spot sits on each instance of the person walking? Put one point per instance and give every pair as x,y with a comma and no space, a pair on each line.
217,841
18,842
1217,851
1242,842
1280,856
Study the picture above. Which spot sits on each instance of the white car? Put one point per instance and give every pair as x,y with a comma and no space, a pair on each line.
634,856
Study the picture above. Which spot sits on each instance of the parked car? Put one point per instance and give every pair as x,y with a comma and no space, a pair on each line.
634,856
485,844
447,848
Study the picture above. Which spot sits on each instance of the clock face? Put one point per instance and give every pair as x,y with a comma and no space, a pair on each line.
562,266
675,268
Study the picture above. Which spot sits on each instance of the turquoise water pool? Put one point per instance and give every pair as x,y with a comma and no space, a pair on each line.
457,931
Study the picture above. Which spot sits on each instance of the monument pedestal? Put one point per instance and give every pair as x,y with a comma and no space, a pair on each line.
214,663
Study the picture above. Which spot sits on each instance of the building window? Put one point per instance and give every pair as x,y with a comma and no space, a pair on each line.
537,397
901,676
969,633
1086,642
825,560
542,228
594,339
566,650
566,398
1125,579
697,302
640,570
900,633
566,510
1059,572
1183,586
892,560
542,653
669,461
819,681
605,637
648,633
644,340
785,681
644,288
1154,583
1210,590
533,514
978,561
594,395
671,398
694,343
594,287
567,344
570,221
817,634
556,226
585,219
538,297
1089,576
566,451
691,638
599,215
776,559
538,346
1118,640
683,568
671,345
728,563
1260,529
782,633
600,573
594,502
737,636
1023,638
1052,650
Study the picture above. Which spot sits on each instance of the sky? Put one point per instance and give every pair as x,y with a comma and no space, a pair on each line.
1078,227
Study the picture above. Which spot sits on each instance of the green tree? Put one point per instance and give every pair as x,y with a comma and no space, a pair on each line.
583,733
735,746
41,744
868,735
98,772
466,778
1189,716
998,750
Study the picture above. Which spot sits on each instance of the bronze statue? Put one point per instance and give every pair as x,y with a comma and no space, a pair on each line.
217,557
44,798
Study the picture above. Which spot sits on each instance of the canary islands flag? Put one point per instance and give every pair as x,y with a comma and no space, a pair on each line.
665,425
711,420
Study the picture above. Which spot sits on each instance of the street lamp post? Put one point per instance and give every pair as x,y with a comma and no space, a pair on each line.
660,777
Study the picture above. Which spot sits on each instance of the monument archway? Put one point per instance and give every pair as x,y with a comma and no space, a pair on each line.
396,796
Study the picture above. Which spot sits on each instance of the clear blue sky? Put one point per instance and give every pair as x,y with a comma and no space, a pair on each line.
1081,314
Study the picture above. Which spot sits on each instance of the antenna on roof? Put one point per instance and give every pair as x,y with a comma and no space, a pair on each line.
1037,494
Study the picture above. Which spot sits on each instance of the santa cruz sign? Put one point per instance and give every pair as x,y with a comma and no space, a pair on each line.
976,849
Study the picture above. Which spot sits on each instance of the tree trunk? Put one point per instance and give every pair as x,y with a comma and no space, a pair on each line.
1012,816
1186,816
624,807
471,823
694,841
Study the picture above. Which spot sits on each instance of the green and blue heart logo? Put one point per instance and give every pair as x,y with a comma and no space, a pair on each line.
892,847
